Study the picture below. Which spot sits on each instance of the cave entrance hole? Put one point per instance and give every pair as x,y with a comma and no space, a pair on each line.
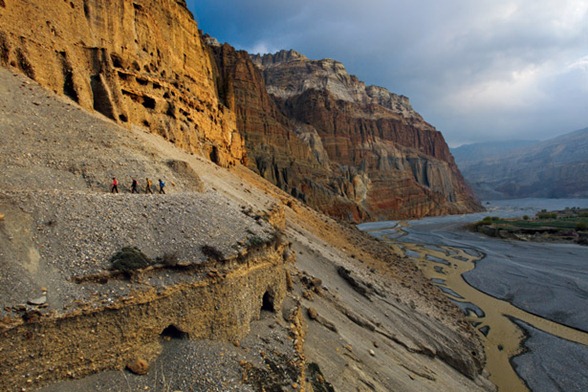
267,303
173,332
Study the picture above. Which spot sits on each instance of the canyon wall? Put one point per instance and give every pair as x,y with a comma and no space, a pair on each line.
138,62
353,151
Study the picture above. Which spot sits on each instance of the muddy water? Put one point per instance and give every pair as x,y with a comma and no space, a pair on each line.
528,301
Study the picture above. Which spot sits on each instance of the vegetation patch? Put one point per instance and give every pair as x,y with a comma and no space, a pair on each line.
569,225
130,259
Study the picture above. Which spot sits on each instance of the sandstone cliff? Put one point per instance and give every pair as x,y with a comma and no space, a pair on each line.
321,134
353,151
135,61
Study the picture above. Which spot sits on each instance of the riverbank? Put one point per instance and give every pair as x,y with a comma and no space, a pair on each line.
503,285
565,226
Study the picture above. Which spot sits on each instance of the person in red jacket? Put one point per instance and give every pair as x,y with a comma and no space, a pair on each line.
114,187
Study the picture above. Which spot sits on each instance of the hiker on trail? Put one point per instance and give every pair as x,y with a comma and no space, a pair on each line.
161,186
114,187
134,186
148,186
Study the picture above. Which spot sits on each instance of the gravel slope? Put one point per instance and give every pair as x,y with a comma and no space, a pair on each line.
60,221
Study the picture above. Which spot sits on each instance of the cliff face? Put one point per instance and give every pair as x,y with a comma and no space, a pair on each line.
353,151
287,153
138,62
405,168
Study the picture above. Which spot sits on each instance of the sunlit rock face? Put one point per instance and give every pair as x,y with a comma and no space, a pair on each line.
138,62
353,151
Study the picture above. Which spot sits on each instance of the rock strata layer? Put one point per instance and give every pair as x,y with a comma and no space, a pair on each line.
353,151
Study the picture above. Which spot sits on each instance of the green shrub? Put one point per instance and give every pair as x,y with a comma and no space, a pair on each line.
129,259
255,241
546,215
487,221
581,226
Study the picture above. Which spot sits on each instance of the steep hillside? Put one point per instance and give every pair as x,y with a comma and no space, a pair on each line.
353,151
136,62
222,305
556,168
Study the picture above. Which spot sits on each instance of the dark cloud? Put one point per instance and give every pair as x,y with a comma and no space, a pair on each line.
483,70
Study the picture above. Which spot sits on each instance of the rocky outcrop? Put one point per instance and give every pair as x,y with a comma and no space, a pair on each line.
138,62
353,151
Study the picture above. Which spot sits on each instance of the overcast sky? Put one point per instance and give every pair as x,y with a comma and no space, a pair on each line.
478,70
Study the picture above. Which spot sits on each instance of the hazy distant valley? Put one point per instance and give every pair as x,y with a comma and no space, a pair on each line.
555,168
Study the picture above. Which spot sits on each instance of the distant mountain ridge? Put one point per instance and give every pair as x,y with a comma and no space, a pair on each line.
555,168
467,154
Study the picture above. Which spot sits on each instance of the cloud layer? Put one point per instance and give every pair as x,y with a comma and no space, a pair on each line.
483,70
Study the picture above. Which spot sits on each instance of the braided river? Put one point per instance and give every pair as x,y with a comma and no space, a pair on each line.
527,300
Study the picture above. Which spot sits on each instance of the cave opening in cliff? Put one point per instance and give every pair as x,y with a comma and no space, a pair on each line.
214,155
267,302
173,332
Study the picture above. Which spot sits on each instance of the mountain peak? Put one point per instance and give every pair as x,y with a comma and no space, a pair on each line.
280,57
288,73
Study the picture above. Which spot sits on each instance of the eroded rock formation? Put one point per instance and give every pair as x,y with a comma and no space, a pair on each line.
353,151
138,62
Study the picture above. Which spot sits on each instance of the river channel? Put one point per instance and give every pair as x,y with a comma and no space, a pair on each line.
527,300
